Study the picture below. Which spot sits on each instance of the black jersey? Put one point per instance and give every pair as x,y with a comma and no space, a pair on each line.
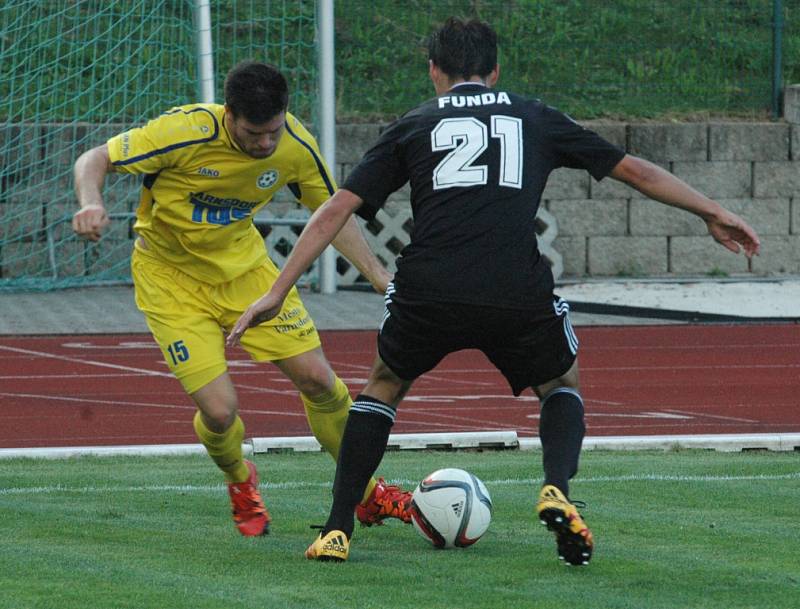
478,160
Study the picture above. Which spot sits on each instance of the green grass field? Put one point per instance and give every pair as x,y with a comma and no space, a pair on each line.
685,529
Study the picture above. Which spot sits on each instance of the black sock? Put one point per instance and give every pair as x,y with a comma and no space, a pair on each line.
561,430
363,444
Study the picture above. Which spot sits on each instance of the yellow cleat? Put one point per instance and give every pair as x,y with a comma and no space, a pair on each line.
333,547
573,538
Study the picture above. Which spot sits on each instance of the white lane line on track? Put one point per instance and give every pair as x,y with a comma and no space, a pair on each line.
711,416
39,377
87,401
76,360
144,371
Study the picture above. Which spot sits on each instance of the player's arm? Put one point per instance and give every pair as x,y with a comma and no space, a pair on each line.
90,173
322,228
352,245
725,227
317,186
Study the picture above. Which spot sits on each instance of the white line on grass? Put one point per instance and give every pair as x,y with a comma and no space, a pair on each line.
218,488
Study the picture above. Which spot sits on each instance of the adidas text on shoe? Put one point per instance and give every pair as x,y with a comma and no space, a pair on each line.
333,547
386,501
573,538
249,513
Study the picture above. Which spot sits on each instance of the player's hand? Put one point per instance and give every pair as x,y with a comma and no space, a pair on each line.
89,222
263,309
732,232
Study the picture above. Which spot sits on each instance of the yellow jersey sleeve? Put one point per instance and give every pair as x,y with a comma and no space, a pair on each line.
314,183
165,141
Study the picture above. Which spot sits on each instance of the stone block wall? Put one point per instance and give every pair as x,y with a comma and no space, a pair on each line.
607,229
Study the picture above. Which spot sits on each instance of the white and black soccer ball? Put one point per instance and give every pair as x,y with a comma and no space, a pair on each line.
451,508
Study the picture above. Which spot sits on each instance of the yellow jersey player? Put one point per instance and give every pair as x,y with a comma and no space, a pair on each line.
199,261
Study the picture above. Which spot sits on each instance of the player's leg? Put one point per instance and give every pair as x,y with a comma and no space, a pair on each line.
561,423
182,323
364,442
561,427
542,354
408,346
325,397
561,431
291,342
221,430
327,402
219,426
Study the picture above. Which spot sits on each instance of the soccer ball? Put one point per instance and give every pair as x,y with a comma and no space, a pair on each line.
451,508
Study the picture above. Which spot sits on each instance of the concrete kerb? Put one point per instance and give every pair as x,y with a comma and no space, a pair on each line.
491,440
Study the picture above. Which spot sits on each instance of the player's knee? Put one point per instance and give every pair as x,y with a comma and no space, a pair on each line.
568,380
219,417
315,382
386,385
219,414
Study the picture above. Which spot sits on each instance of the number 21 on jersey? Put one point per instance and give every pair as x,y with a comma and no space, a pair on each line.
467,138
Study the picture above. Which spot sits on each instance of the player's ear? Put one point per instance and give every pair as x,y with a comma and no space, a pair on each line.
229,117
439,79
491,79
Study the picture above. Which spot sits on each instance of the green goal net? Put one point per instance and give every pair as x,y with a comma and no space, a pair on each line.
75,72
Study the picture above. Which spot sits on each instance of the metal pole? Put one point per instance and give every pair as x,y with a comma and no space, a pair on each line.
205,49
327,122
777,56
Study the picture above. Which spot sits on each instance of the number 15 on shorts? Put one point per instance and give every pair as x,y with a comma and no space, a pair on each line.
178,352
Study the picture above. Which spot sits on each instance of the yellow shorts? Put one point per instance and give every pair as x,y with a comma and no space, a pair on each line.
189,319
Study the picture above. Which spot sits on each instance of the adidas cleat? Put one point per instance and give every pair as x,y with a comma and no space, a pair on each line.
249,513
386,501
573,538
333,547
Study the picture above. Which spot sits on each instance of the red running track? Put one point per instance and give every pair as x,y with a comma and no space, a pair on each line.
636,380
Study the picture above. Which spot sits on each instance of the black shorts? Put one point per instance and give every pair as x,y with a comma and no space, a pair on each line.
528,347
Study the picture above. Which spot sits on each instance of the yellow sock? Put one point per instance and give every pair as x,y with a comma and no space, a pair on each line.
224,448
327,416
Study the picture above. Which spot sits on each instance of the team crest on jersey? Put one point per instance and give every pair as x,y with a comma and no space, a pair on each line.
267,179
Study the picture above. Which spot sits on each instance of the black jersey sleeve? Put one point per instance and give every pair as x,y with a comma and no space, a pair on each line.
380,172
580,148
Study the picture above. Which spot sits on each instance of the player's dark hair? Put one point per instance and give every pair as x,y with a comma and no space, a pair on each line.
256,91
464,48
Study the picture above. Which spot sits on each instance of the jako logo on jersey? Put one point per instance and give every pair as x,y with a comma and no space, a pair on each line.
209,173
482,99
267,179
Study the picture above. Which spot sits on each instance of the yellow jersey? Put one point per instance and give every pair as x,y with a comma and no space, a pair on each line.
200,190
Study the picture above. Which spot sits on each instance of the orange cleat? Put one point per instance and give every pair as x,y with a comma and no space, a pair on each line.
249,513
386,501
